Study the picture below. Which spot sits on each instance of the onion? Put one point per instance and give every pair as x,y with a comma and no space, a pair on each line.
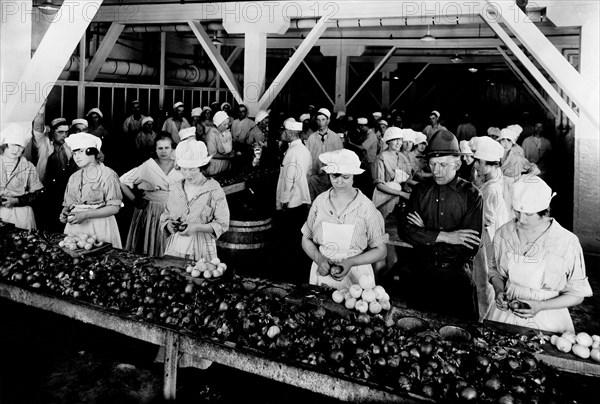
595,354
581,351
583,338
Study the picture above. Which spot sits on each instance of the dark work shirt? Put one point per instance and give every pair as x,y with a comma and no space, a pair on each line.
453,206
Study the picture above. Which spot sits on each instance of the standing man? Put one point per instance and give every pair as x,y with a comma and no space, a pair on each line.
176,122
443,223
240,128
434,126
321,141
466,130
537,150
133,123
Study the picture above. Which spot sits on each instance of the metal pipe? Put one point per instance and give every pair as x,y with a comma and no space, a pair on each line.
191,74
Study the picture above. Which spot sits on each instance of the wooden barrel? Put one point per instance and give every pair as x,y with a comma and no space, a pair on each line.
247,235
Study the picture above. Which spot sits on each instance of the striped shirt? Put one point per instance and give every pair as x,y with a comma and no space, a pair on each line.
319,143
369,229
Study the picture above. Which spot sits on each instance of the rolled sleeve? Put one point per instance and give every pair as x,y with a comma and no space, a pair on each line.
114,196
376,234
220,224
577,281
307,228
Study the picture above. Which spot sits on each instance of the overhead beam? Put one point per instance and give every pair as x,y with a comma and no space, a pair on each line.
235,53
533,91
49,60
378,67
514,48
103,51
410,84
217,60
292,64
313,75
549,57
377,100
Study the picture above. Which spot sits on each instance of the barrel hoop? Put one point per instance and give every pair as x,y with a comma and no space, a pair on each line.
232,246
240,223
233,229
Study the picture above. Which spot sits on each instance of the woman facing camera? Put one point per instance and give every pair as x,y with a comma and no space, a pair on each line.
154,177
344,233
538,269
93,195
196,211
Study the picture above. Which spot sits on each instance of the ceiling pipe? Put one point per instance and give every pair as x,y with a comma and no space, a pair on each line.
190,74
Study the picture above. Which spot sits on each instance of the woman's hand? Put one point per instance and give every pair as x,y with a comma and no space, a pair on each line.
189,230
346,265
172,226
324,267
9,201
77,217
534,308
415,219
502,301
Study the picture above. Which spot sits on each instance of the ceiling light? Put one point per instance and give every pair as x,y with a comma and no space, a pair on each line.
456,59
48,7
215,41
473,69
428,37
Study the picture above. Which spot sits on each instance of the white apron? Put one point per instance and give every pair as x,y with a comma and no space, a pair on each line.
526,276
336,247
105,229
21,216
386,203
227,140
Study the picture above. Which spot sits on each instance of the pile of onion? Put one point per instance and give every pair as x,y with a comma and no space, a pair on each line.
364,296
211,269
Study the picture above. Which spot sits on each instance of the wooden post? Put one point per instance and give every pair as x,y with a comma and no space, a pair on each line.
341,54
170,371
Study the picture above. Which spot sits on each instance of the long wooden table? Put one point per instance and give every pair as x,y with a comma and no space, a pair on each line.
176,342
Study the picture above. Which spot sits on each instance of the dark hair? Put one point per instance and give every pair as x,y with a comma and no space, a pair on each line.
489,163
545,212
162,135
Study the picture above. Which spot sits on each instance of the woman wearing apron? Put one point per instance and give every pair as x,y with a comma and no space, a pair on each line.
344,233
19,180
388,176
196,211
155,176
93,195
495,214
538,262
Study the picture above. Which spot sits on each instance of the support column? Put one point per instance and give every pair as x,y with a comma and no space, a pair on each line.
342,53
255,27
586,220
386,76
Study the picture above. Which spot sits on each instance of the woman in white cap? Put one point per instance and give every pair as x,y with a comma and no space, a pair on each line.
467,169
344,233
196,212
94,117
176,122
219,144
154,177
538,269
144,140
495,214
388,176
79,125
20,184
93,195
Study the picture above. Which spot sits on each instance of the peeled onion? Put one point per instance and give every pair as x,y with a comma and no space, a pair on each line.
355,291
569,337
563,344
375,307
350,303
581,351
366,282
337,296
362,306
595,354
583,338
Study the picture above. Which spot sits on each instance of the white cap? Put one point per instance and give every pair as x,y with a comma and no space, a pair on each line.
82,141
187,132
392,133
488,149
362,121
383,122
325,111
420,137
220,117
58,122
516,128
196,111
493,131
509,134
260,115
191,154
80,121
475,141
377,115
147,119
95,111
465,148
531,195
14,133
437,114
291,124
177,105
409,135
341,161
225,104
304,117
